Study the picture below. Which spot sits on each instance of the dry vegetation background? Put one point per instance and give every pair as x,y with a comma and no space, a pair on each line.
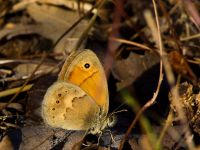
151,54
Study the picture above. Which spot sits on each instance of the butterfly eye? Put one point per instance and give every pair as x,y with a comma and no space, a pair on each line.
87,65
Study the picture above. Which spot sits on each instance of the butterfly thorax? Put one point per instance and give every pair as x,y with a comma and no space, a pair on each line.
101,123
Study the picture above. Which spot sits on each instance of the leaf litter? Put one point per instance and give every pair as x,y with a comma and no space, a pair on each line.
30,28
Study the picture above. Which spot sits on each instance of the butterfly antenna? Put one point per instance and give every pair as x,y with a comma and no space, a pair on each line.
115,110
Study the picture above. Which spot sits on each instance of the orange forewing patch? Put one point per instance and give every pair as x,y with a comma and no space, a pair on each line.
92,82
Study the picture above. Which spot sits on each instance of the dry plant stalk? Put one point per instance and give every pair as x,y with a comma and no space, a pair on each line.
15,90
26,82
157,38
174,91
91,23
132,43
98,4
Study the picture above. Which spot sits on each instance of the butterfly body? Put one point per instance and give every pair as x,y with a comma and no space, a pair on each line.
79,99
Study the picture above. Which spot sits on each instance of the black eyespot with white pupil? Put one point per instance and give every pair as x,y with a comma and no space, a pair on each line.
87,65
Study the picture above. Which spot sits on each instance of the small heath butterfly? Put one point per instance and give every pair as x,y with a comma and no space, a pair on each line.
79,99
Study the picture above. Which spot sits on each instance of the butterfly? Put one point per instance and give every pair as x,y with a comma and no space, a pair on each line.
79,99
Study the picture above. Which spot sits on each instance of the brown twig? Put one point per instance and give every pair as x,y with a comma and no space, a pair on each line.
174,89
75,24
26,82
175,97
90,24
171,26
157,35
131,43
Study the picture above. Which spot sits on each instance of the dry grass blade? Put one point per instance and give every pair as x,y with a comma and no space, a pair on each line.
148,50
157,38
15,90
171,26
191,37
175,95
75,23
26,82
91,23
132,43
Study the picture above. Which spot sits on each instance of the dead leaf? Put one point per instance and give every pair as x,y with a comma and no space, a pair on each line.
135,65
42,137
190,102
16,48
36,137
23,71
51,23
54,22
16,106
18,29
181,66
35,97
69,4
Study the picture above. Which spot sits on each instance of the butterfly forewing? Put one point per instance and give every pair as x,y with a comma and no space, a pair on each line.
85,70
